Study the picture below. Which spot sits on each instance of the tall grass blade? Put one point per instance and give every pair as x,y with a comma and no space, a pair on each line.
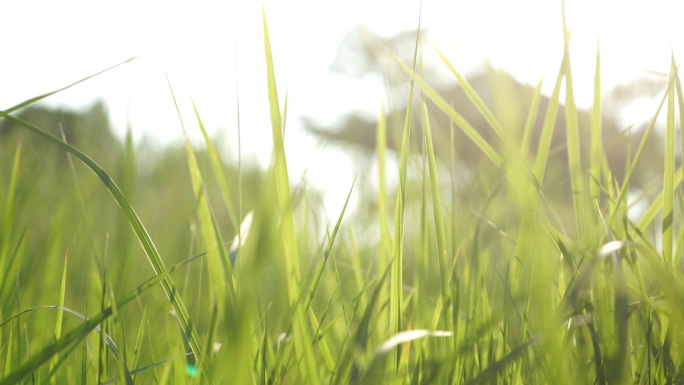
58,322
574,151
325,349
326,253
28,352
668,186
381,138
219,268
544,146
119,353
622,195
8,356
141,232
137,352
439,222
680,105
396,302
385,244
7,211
362,332
28,102
301,336
596,140
530,119
466,127
218,170
475,98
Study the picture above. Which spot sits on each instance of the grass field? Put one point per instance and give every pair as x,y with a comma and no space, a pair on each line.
496,282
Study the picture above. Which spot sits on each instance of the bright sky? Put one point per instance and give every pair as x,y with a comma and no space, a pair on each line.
47,45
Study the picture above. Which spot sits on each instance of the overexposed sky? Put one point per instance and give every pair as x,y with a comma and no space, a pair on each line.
209,47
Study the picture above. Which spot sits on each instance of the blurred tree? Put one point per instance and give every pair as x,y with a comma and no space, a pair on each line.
363,53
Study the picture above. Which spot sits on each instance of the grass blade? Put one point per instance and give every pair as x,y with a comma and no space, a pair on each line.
381,137
466,127
544,146
28,102
301,335
396,303
326,254
475,98
140,231
80,332
622,195
218,262
596,141
218,170
574,151
530,119
58,322
439,222
7,212
668,186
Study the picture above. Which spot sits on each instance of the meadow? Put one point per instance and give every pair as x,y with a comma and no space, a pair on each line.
119,264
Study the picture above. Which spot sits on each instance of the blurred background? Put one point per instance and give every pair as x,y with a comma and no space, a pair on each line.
330,60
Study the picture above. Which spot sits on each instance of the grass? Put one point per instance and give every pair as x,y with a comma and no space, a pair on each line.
500,281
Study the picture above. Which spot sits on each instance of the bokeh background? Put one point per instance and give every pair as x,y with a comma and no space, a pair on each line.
213,52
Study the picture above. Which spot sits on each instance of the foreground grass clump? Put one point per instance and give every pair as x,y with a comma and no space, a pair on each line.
495,283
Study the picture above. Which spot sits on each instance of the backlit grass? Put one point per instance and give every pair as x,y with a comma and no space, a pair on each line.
120,268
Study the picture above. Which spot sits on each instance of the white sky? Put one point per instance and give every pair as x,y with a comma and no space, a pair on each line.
47,45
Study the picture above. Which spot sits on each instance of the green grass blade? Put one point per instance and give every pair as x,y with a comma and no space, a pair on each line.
475,98
596,141
325,349
9,203
680,100
119,353
8,357
668,186
219,268
544,146
381,137
530,119
620,361
517,154
301,334
28,352
218,170
137,352
58,322
622,195
141,232
385,244
7,227
361,334
574,151
326,253
28,102
145,368
396,303
489,374
80,332
439,222
468,129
